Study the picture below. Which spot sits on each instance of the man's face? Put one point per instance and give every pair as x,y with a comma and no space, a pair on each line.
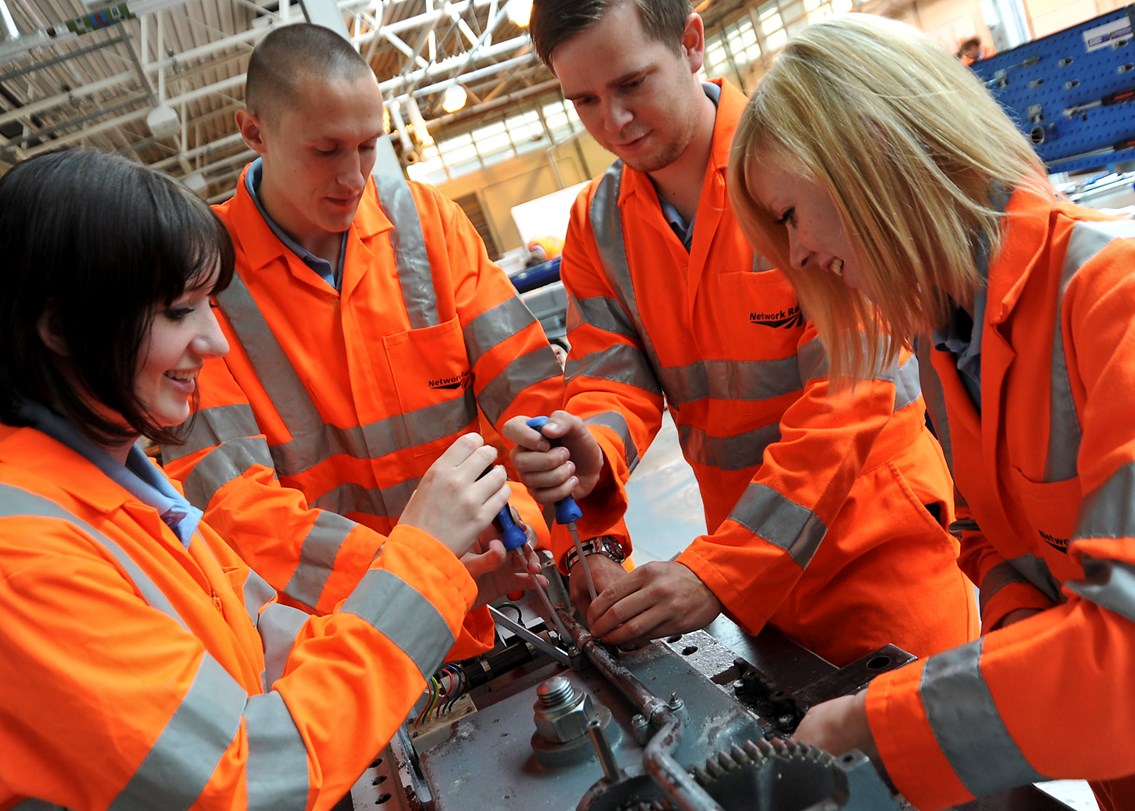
318,152
636,96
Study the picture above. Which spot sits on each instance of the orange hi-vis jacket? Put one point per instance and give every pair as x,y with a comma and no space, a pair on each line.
139,672
315,429
815,510
1047,471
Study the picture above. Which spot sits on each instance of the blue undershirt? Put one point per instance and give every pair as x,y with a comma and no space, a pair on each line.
682,229
139,476
332,275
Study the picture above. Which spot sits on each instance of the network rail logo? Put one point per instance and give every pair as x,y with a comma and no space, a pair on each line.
778,319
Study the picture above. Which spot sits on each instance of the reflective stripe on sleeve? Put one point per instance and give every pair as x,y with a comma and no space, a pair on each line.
602,313
495,326
278,626
1109,584
277,758
997,578
212,426
618,423
528,370
400,613
783,523
967,725
350,497
738,452
221,466
186,753
618,363
317,557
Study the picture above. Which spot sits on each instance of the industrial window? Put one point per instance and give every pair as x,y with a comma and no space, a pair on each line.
539,127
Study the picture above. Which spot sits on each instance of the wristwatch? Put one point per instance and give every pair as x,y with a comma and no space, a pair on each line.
600,545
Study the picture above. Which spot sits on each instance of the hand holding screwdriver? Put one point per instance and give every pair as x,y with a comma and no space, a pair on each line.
516,543
567,513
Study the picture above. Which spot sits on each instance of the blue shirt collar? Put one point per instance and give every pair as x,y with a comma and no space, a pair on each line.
332,275
139,476
685,230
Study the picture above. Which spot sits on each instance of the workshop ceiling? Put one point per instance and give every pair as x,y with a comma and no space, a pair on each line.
159,80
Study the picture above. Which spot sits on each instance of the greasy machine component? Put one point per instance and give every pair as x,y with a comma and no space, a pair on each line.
785,776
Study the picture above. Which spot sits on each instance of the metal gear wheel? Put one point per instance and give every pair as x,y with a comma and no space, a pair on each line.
773,776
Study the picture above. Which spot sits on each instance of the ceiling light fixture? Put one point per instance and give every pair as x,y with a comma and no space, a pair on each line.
520,12
454,98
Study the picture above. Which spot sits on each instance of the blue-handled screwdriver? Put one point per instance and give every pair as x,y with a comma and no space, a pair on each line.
567,513
515,541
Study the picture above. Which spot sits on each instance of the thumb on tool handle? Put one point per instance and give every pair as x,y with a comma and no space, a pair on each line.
512,536
567,511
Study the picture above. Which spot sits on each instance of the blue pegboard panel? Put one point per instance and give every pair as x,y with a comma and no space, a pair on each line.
1073,92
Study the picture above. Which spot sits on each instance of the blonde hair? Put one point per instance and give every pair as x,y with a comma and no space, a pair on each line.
913,151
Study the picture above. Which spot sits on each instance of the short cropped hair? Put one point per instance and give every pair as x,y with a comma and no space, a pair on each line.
919,159
554,21
97,243
288,57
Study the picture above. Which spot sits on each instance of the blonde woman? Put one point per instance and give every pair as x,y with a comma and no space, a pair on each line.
903,203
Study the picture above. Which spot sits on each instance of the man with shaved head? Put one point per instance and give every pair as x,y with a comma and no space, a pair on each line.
369,330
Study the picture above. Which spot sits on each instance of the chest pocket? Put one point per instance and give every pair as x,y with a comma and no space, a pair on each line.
435,384
757,310
1050,507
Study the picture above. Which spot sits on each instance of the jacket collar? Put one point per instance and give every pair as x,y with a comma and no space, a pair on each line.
1027,230
729,107
260,246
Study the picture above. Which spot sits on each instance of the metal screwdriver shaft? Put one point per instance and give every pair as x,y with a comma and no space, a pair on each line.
567,513
515,540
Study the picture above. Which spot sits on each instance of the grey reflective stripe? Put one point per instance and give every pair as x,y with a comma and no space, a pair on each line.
401,614
603,313
967,725
618,423
212,426
618,363
906,380
997,578
37,805
277,757
935,397
1109,510
731,380
186,753
1036,571
258,593
350,497
607,225
812,361
187,750
410,254
499,393
317,557
494,326
15,501
737,452
224,464
1065,433
280,381
769,515
278,626
1109,584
